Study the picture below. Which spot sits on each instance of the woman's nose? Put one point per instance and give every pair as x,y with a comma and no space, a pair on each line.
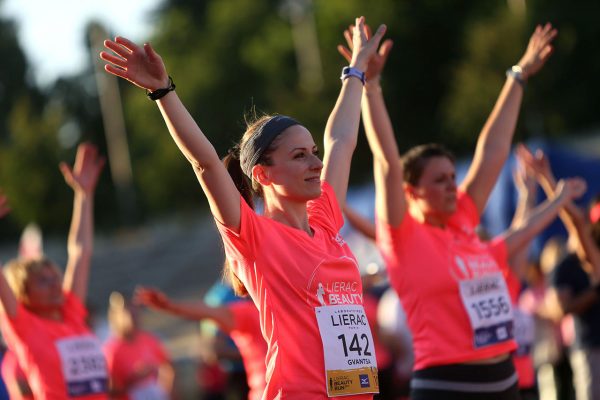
316,163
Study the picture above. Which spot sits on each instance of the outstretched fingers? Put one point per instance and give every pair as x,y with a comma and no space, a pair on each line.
378,35
67,173
126,43
118,48
386,47
348,36
345,52
118,61
120,72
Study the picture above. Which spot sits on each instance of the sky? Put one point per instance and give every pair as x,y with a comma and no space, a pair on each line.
51,32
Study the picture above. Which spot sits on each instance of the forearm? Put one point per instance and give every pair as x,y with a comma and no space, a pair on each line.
519,258
493,145
378,127
494,142
81,232
577,227
390,201
525,203
198,311
80,244
188,137
340,138
8,300
537,221
360,223
342,125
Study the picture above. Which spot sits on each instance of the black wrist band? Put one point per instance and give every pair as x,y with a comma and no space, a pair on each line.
596,288
159,93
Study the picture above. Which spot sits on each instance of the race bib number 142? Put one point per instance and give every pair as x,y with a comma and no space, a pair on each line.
350,366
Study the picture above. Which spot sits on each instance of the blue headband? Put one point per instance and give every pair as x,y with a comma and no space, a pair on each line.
252,150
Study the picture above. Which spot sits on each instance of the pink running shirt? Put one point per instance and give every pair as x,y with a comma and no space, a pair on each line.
54,354
248,338
425,265
288,274
524,324
384,357
11,374
142,355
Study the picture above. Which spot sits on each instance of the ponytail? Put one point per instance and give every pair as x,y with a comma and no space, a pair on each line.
244,186
228,275
241,181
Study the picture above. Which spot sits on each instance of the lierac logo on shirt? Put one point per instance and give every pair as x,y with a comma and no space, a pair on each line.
339,292
472,266
339,240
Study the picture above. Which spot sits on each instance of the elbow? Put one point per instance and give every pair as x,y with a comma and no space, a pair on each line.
390,169
346,143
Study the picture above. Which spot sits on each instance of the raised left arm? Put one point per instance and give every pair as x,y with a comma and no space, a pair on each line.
341,132
541,216
360,223
82,178
526,186
494,142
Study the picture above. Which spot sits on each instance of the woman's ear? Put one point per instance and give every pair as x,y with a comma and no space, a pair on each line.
261,175
409,190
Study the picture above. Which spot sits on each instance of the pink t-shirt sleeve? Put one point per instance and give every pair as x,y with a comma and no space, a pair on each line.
238,245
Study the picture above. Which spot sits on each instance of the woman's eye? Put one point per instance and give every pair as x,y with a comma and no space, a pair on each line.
299,155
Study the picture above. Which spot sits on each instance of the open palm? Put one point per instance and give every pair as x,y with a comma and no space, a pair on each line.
141,66
377,60
86,171
538,50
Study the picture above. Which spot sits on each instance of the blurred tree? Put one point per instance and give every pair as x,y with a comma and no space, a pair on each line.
559,101
231,57
12,72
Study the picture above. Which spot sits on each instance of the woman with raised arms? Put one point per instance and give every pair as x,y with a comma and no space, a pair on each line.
299,272
451,287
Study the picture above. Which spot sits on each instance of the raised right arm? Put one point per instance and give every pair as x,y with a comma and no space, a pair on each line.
7,296
143,67
196,311
390,201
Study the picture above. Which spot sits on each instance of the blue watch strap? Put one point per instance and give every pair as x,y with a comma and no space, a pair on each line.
351,71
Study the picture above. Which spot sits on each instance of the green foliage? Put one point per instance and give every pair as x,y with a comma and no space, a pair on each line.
228,57
34,195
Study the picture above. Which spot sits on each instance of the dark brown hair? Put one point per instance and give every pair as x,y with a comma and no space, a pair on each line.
248,188
415,160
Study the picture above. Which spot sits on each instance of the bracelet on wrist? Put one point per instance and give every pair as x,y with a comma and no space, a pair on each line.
348,72
516,72
160,93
